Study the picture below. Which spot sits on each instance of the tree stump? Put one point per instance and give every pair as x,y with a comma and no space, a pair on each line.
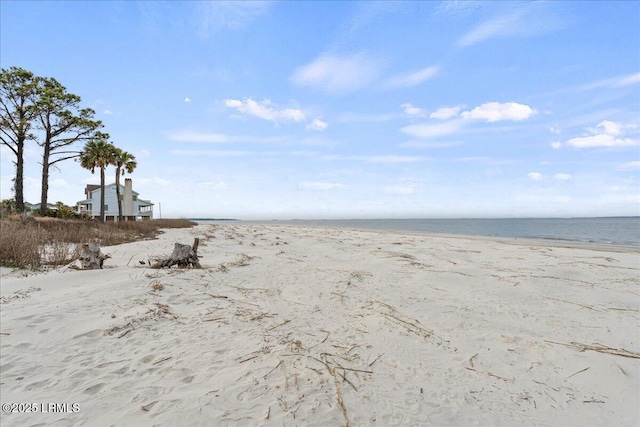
182,256
92,257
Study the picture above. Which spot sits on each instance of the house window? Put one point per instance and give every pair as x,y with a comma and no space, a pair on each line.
106,208
135,198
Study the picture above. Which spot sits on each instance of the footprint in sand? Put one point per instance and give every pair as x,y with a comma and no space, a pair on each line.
91,334
120,371
148,358
148,406
95,388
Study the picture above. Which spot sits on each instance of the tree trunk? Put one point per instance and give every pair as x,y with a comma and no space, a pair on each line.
18,185
92,257
45,180
182,256
101,193
120,218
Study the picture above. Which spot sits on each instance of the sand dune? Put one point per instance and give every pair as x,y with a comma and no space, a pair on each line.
311,326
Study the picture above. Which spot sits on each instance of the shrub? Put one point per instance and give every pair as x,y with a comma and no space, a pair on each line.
32,243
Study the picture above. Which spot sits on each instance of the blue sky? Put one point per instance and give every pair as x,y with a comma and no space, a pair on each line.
260,110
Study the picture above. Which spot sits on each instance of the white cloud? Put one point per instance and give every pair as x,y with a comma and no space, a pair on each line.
317,124
495,111
338,74
602,140
627,80
108,112
187,99
608,127
490,111
445,113
264,110
635,165
319,186
412,111
425,130
556,145
536,176
143,153
414,78
605,134
497,27
562,176
529,20
619,81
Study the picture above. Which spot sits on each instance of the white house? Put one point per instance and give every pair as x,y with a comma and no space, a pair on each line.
132,206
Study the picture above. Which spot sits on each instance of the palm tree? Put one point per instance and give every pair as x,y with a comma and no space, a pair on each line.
123,161
98,153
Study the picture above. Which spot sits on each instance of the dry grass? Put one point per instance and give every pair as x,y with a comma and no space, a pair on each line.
33,243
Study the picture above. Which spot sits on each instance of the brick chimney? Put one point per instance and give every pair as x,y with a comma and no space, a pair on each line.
127,202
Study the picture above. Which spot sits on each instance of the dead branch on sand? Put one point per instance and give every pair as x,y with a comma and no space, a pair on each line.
599,348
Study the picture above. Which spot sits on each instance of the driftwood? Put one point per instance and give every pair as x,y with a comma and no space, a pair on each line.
182,256
92,257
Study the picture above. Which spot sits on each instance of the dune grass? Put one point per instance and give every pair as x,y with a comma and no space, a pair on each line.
33,243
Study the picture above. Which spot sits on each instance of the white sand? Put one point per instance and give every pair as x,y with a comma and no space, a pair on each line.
322,326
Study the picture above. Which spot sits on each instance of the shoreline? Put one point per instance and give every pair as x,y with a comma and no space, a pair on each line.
615,231
540,241
324,326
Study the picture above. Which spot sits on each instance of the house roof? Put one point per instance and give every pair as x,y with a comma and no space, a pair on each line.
109,186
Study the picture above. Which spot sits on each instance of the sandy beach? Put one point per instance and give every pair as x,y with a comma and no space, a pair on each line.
304,326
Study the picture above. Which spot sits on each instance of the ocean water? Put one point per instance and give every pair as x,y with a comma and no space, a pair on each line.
622,231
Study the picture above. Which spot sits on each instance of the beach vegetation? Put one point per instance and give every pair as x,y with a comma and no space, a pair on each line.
8,207
36,242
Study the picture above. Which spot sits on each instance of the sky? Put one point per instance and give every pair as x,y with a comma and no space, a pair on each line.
282,110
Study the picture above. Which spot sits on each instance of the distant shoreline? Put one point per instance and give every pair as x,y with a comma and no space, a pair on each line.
419,219
213,219
607,231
